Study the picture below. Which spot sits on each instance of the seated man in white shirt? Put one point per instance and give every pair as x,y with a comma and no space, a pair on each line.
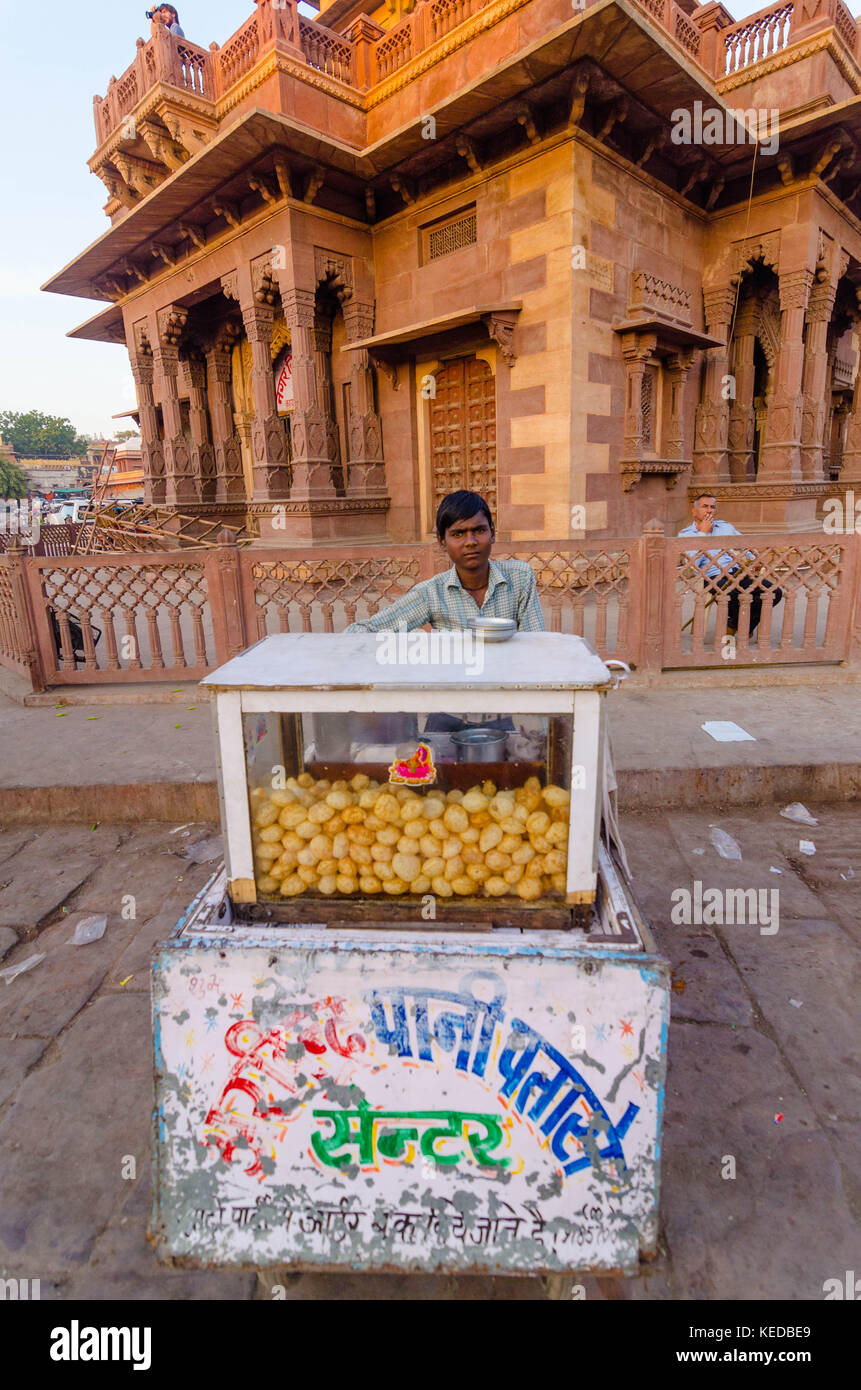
722,570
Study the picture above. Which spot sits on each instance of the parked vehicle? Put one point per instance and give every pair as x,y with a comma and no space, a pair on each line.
71,510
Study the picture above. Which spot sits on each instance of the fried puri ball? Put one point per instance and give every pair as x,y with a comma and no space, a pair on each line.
407,866
529,888
455,818
556,796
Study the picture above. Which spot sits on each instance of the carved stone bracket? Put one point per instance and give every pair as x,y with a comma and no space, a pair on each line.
358,320
718,305
795,286
632,471
264,283
299,307
755,248
171,325
500,328
389,369
334,270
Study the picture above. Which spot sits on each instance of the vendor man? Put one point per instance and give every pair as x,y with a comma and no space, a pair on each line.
724,567
474,585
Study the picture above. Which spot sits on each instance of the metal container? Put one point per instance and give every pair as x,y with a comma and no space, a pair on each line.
493,629
480,745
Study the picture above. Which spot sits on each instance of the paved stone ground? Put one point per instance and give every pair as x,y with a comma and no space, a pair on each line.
75,1069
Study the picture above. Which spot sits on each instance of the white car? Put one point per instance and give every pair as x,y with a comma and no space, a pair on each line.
73,510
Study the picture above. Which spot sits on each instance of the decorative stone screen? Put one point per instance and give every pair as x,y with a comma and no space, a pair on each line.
452,234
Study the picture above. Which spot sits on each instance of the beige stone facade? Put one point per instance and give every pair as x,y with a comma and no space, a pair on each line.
497,258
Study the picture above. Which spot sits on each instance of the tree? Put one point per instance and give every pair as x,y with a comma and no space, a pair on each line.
13,480
122,435
37,436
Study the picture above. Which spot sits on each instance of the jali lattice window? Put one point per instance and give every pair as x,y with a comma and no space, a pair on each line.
451,234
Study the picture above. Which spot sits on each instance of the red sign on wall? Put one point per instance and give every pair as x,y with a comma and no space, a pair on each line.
284,383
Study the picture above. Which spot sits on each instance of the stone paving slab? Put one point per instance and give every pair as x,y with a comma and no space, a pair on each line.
816,964
123,1263
46,869
17,1056
705,987
782,1225
63,1142
43,1001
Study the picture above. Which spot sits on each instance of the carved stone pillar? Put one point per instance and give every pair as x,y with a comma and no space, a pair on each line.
229,479
180,483
313,435
740,435
636,350
832,454
780,458
814,409
712,414
268,441
152,456
325,387
676,365
366,471
202,452
850,472
636,355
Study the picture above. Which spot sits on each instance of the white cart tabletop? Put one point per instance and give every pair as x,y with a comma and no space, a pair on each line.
387,661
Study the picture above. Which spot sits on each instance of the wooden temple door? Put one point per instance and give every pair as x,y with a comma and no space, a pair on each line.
463,430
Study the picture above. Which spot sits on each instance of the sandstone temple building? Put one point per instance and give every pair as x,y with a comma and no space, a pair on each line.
586,258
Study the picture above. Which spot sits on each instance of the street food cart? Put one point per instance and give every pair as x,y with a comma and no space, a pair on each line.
416,1022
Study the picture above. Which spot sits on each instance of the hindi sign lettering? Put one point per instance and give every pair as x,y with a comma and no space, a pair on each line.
332,1101
284,383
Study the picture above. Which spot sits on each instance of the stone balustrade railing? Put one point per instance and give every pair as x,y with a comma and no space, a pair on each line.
759,36
369,56
64,618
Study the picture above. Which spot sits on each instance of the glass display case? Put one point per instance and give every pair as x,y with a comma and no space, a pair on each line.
361,788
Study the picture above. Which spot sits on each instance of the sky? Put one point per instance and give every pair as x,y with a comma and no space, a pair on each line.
52,204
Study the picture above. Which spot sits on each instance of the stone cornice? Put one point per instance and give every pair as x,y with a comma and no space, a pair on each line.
275,62
324,506
751,491
443,48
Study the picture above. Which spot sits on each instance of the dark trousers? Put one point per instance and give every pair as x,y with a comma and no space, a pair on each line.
758,587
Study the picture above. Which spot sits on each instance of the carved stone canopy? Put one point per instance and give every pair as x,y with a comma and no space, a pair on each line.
669,337
399,344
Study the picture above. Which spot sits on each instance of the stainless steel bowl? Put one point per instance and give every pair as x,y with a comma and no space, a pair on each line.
480,745
493,629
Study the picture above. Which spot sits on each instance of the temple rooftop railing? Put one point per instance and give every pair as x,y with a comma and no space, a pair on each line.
177,95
